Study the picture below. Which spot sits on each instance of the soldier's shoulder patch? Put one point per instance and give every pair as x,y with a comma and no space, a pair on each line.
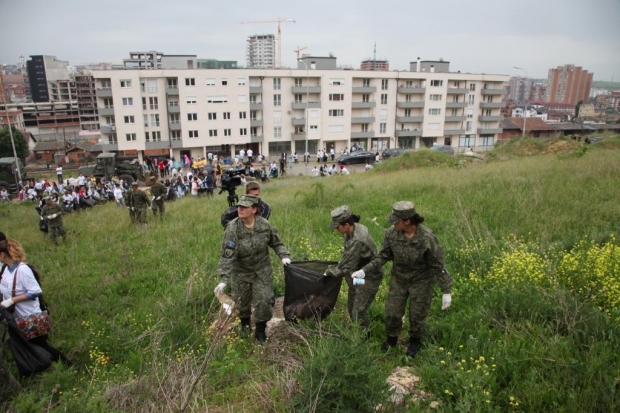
229,249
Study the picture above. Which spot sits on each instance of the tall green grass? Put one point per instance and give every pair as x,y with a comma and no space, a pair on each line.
132,307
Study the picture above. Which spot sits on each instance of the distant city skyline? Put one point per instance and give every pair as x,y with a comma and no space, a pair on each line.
480,36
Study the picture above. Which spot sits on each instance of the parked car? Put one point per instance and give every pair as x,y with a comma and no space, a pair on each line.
360,157
388,153
594,139
443,148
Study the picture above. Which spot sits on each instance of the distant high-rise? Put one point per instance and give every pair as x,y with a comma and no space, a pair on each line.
568,84
520,89
261,51
49,79
375,65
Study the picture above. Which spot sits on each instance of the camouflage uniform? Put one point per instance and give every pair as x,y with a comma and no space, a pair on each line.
127,202
418,264
56,227
245,258
9,387
139,201
359,249
158,191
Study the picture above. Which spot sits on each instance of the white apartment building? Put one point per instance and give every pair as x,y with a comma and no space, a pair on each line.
261,51
272,111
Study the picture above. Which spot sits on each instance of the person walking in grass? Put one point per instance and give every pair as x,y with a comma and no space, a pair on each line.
418,264
139,201
52,212
158,195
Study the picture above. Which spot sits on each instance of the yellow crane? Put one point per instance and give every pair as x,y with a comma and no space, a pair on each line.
279,21
299,49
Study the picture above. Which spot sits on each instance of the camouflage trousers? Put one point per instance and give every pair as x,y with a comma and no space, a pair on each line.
158,205
9,387
360,299
140,215
258,292
55,232
420,294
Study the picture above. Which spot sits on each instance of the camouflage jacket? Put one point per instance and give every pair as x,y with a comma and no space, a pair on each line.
139,199
359,250
158,190
52,208
245,252
414,259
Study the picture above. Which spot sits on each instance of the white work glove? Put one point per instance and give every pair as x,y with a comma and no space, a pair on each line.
153,199
128,207
7,303
158,198
133,209
446,300
358,274
219,289
286,261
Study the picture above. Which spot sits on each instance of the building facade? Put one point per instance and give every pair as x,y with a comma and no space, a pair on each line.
194,112
87,102
49,78
568,84
261,51
371,64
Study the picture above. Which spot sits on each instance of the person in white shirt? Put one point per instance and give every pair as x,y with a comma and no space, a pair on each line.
4,195
118,196
242,154
81,180
195,187
250,154
210,158
331,170
59,173
345,171
368,166
71,181
332,153
315,171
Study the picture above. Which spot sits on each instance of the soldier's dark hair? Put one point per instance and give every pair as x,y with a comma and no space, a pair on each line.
416,219
351,220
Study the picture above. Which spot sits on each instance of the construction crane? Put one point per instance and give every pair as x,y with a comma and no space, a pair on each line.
279,21
299,49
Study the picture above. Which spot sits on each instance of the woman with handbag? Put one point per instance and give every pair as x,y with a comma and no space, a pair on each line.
20,295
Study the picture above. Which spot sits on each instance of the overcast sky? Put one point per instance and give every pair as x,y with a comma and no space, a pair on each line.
478,36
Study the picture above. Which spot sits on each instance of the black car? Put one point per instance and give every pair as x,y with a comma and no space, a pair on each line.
443,148
388,153
360,157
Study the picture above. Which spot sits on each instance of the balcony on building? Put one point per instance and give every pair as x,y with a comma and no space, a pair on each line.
298,121
409,119
489,131
106,111
176,143
410,105
175,125
256,122
256,105
363,119
457,91
363,105
364,89
256,138
313,88
492,92
491,105
174,109
408,133
298,136
157,144
410,90
455,118
365,134
256,89
104,92
454,131
109,147
108,128
172,90
490,118
310,105
456,104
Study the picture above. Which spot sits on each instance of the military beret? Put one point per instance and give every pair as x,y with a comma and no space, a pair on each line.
134,183
248,200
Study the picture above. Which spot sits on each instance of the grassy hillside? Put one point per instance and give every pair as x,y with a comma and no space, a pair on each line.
534,323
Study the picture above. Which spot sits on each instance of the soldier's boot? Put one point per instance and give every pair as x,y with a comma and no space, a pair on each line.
389,342
414,346
260,334
245,328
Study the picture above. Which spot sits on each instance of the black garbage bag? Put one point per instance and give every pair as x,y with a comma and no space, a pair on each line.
29,358
307,293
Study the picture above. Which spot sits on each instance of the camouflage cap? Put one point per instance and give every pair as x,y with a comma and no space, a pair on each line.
153,178
248,200
339,215
134,183
401,210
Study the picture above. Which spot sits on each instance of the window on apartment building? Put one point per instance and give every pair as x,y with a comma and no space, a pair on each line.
277,117
193,134
242,115
299,98
109,120
191,100
254,131
240,81
409,83
454,112
129,119
217,99
366,97
336,82
434,111
192,117
174,118
108,103
226,115
153,103
106,84
447,141
224,82
407,113
173,103
277,83
113,139
253,114
436,98
365,127
298,82
382,127
384,98
155,120
466,141
145,120
487,112
156,136
299,130
212,115
336,112
277,131
210,81
253,99
143,103
314,113
151,85
227,132
314,128
335,97
335,128
383,114
433,126
172,83
127,101
365,82
472,87
384,84
213,133
486,140
408,98
277,100
468,126
471,99
243,132
126,83
190,81
175,135
130,137
436,82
